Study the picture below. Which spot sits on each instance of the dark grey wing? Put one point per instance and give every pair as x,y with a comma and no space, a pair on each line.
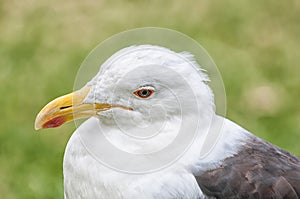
259,170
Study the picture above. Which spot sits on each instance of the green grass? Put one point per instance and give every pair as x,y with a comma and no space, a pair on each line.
254,43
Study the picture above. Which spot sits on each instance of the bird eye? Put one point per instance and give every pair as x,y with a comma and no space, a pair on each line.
144,92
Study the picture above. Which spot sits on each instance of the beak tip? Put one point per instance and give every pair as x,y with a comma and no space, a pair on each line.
37,128
37,125
38,122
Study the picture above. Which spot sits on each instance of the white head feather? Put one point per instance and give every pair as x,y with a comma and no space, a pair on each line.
180,87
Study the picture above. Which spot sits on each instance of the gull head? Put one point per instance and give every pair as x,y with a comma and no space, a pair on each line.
136,87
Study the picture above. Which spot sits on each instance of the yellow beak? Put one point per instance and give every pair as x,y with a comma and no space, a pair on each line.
67,108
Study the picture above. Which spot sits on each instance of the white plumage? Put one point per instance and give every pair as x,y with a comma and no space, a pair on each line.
85,177
181,99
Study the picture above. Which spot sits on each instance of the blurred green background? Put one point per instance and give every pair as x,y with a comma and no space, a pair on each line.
255,44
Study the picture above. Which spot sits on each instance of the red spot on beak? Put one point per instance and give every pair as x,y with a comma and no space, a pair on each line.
55,122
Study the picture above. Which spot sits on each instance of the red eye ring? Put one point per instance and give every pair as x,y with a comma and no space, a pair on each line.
143,92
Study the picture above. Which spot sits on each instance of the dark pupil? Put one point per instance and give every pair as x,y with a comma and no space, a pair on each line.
144,93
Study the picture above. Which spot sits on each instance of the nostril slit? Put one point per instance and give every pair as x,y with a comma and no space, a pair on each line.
64,107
